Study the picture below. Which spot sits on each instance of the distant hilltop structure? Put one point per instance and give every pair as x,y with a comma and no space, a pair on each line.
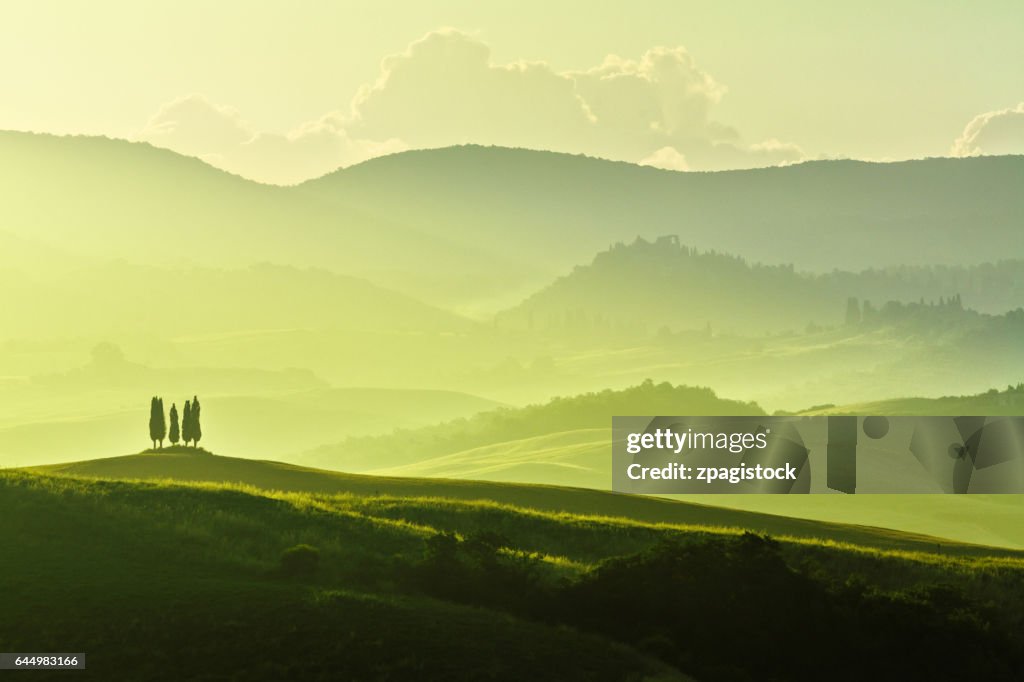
188,430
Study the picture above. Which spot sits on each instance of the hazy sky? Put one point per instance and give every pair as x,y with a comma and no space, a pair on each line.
284,90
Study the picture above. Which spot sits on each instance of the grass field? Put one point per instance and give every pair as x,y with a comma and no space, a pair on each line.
187,465
169,566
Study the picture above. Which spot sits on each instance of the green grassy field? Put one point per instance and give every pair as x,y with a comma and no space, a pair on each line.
164,582
185,465
169,566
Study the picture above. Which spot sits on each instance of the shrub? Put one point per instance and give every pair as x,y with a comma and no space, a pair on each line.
299,561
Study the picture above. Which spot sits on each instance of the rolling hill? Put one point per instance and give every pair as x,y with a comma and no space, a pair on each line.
431,222
188,465
117,298
521,447
465,579
869,214
581,412
134,574
101,415
635,289
994,402
104,198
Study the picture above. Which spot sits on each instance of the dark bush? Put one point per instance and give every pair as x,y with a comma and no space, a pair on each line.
732,609
476,571
299,561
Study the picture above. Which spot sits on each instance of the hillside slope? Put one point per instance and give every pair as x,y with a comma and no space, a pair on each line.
561,209
134,573
277,476
645,286
99,197
470,223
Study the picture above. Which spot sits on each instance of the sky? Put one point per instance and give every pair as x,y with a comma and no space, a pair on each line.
282,91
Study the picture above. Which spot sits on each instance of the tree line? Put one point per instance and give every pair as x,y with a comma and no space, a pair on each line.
189,430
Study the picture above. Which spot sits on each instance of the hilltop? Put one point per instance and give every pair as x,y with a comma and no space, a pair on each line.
183,466
282,412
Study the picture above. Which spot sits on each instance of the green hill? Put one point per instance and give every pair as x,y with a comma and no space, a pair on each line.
136,299
561,209
186,465
585,411
464,580
158,582
433,223
993,403
104,198
635,289
575,458
101,413
568,441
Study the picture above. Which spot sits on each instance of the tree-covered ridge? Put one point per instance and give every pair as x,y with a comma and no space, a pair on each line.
586,411
648,285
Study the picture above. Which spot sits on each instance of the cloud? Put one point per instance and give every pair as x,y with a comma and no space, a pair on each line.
994,132
662,99
195,126
444,89
667,158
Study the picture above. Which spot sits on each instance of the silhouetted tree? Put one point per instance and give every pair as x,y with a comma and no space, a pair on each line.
152,421
174,434
186,423
197,427
161,422
157,425
853,316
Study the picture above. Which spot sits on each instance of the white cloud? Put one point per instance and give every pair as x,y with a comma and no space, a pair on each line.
197,127
667,158
444,89
994,132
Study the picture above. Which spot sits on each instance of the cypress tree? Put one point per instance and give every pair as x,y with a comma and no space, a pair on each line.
161,422
186,423
197,427
174,434
154,409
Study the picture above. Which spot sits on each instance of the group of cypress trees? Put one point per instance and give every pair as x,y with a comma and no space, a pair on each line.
189,431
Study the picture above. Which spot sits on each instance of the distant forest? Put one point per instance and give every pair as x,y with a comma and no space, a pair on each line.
638,288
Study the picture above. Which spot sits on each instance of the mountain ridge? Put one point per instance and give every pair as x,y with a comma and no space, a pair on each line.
452,223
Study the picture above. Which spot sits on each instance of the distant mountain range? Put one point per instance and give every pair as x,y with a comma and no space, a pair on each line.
467,225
